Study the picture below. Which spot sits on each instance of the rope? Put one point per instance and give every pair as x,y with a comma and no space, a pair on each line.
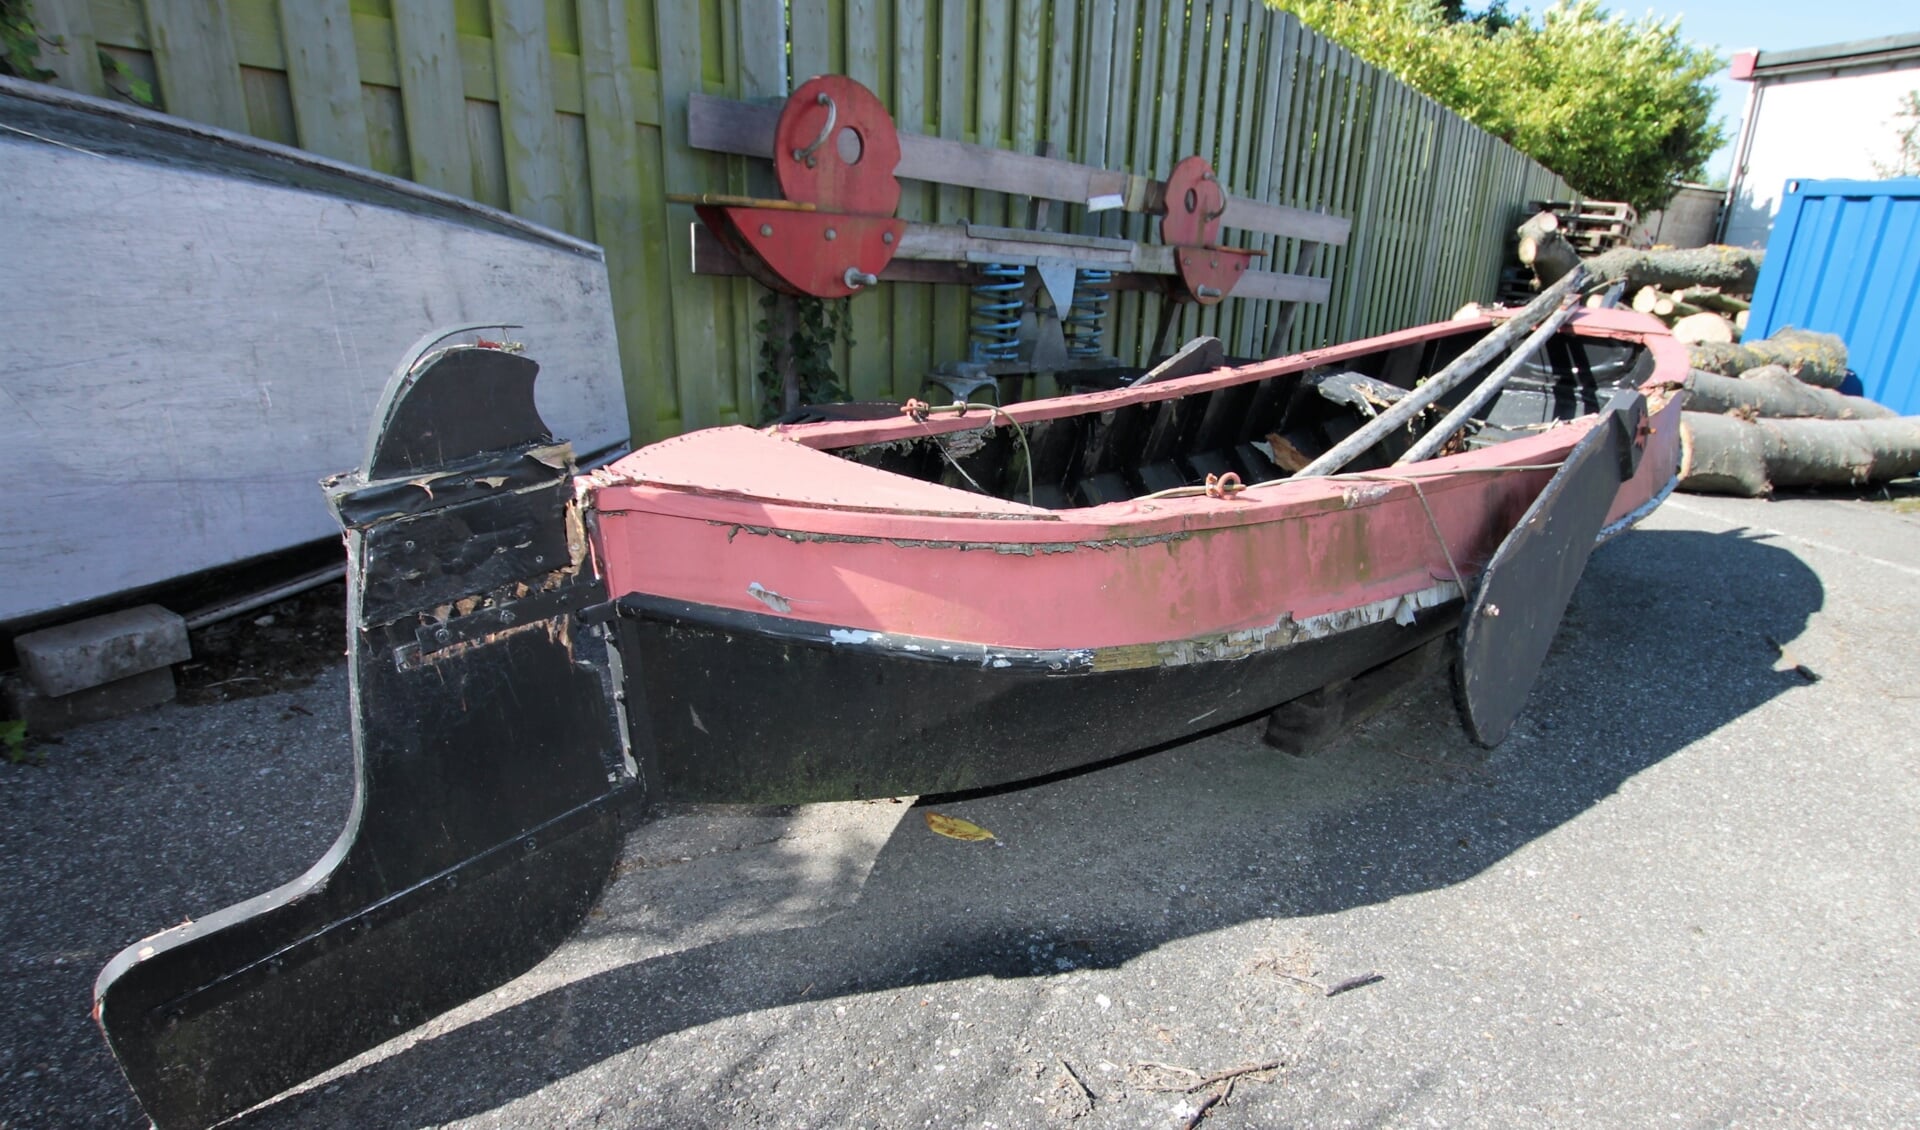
1433,523
1217,486
919,410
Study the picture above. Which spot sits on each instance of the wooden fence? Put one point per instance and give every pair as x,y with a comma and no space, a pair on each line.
573,113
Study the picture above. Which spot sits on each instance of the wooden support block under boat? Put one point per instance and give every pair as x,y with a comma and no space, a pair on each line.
1316,720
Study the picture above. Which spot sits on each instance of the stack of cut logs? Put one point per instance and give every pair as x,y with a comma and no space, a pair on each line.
1759,414
1768,413
1696,313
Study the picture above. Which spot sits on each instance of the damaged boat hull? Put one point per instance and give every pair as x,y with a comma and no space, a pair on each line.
858,714
748,616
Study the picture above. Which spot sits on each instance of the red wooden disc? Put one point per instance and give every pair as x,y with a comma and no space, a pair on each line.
835,147
1195,203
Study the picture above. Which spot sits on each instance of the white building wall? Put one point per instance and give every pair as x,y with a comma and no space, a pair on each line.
1815,128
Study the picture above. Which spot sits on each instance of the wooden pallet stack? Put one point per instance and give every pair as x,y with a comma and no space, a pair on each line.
1592,226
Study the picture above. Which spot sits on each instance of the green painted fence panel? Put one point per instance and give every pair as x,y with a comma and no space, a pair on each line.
573,113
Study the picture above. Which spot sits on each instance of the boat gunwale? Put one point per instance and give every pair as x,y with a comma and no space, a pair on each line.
448,208
1145,519
834,435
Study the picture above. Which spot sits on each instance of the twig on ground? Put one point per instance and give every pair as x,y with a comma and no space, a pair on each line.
1345,985
1351,983
1085,1090
1437,763
1199,1080
1213,1099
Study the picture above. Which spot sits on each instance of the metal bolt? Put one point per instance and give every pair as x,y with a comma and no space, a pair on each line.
886,237
539,560
856,278
1213,262
409,545
443,636
766,229
506,617
831,234
1207,291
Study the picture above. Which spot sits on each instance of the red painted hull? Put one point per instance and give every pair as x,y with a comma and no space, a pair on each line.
767,523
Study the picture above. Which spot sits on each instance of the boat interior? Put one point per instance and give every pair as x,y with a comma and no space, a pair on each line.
1260,429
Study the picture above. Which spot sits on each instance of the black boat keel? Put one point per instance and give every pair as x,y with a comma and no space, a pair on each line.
489,759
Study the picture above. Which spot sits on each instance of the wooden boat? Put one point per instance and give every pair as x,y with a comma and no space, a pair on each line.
844,609
899,631
198,323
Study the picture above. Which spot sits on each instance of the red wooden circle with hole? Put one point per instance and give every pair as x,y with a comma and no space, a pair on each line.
1195,203
835,148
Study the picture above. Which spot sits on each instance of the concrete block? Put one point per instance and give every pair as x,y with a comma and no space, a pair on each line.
102,649
50,714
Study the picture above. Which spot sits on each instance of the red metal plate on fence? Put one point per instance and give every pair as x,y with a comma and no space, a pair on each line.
835,147
1211,273
807,253
1195,203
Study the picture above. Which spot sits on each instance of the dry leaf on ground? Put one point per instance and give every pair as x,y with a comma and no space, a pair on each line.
955,828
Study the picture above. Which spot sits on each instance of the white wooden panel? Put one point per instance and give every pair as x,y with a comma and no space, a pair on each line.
187,354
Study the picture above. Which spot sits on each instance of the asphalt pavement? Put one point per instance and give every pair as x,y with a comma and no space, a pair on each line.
1682,893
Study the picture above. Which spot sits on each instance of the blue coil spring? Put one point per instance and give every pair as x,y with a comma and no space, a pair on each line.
1087,320
996,312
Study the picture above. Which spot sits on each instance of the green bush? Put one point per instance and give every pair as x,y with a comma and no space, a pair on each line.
1620,108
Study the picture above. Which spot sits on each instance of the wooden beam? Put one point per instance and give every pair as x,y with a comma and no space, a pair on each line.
528,130
944,253
323,73
723,125
432,97
194,57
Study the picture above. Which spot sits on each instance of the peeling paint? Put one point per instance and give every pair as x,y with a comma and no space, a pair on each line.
1284,632
768,597
1351,497
1014,549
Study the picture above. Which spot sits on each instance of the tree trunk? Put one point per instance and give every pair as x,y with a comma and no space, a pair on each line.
1729,268
1816,358
1772,392
1729,455
1543,248
1709,298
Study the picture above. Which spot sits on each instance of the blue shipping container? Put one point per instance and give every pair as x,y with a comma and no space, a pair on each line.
1844,258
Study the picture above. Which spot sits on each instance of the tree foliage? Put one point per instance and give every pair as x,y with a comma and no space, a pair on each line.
1906,138
1620,108
20,42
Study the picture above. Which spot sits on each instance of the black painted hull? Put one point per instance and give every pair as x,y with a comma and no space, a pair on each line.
730,706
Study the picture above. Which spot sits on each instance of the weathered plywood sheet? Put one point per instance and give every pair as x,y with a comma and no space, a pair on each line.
187,353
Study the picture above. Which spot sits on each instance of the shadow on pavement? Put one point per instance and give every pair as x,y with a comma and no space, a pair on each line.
1666,641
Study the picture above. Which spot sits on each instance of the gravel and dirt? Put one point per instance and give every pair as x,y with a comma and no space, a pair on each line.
1682,893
